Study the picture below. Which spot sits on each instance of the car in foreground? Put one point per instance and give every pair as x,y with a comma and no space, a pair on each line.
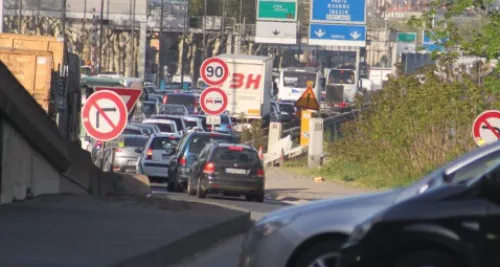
188,151
453,225
314,232
156,155
228,168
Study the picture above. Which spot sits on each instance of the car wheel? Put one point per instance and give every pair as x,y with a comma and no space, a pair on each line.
321,254
259,197
190,190
171,186
200,193
427,258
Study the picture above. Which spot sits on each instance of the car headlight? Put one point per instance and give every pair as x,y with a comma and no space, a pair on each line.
363,228
267,228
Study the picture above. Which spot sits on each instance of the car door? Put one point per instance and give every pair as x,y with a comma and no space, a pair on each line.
490,190
196,168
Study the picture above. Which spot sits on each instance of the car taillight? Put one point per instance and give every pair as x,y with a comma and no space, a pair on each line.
149,154
209,168
209,127
236,148
260,173
229,127
182,162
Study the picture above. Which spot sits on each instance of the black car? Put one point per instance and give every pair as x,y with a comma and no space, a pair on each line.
187,153
457,224
232,169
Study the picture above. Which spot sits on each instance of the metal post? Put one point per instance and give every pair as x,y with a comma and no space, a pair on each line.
204,29
241,11
184,40
101,35
133,39
161,71
223,18
20,16
111,165
99,183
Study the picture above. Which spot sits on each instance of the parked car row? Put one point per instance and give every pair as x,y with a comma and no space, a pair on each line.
448,218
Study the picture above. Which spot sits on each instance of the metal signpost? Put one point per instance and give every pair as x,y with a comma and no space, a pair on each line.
276,22
104,117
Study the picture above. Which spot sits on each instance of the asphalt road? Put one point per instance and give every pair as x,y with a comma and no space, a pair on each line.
224,253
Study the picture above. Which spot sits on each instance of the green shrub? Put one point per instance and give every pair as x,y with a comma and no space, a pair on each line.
409,129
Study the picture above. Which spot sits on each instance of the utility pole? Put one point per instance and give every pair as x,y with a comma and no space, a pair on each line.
223,19
101,35
204,29
20,16
161,71
133,39
184,40
241,11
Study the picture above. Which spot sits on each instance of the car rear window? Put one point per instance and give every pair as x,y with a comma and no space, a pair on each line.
132,131
173,110
160,143
135,141
199,142
190,124
226,155
185,100
165,128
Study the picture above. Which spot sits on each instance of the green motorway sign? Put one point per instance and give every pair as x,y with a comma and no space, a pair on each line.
277,10
407,37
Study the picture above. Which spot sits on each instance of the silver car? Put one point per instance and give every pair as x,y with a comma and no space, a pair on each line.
312,234
193,124
126,154
156,154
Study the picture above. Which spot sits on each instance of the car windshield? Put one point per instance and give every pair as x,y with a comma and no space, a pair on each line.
135,141
132,131
199,142
287,108
164,142
298,79
184,100
165,127
173,110
229,156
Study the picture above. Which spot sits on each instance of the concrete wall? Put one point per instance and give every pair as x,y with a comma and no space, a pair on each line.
23,167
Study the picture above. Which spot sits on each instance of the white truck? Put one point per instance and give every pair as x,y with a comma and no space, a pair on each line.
248,86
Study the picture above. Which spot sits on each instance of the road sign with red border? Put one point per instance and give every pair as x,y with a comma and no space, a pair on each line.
486,128
213,101
104,115
214,71
129,95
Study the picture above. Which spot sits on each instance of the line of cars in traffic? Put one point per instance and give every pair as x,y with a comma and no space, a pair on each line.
448,218
175,145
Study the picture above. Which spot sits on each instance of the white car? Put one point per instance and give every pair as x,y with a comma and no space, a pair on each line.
155,157
165,125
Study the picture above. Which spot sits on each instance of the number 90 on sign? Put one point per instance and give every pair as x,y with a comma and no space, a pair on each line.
214,71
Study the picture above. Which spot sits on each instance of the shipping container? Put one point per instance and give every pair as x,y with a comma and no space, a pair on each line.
35,42
33,69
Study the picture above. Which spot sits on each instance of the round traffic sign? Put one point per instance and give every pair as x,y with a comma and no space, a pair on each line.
214,71
213,101
104,115
486,128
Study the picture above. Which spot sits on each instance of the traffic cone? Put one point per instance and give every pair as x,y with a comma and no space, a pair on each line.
261,153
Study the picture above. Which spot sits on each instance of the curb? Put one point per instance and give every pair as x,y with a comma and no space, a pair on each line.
189,245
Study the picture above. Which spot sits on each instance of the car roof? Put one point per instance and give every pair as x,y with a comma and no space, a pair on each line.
167,135
190,117
129,126
227,145
211,133
167,121
134,136
180,94
159,116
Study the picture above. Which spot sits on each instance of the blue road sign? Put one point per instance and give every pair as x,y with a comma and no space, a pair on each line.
338,11
431,45
337,35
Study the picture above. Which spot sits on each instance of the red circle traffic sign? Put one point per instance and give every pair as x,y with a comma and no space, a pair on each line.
214,71
486,127
213,101
104,115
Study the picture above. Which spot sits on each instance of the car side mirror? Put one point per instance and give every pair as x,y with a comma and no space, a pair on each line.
170,151
138,150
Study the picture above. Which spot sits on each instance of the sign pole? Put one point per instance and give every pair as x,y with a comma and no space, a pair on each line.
112,165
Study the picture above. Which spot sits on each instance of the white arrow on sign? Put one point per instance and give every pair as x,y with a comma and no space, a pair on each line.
320,33
355,35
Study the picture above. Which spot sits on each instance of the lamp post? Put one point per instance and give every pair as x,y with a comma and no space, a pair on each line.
160,37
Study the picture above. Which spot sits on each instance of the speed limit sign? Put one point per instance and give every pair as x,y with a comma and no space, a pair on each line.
214,71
